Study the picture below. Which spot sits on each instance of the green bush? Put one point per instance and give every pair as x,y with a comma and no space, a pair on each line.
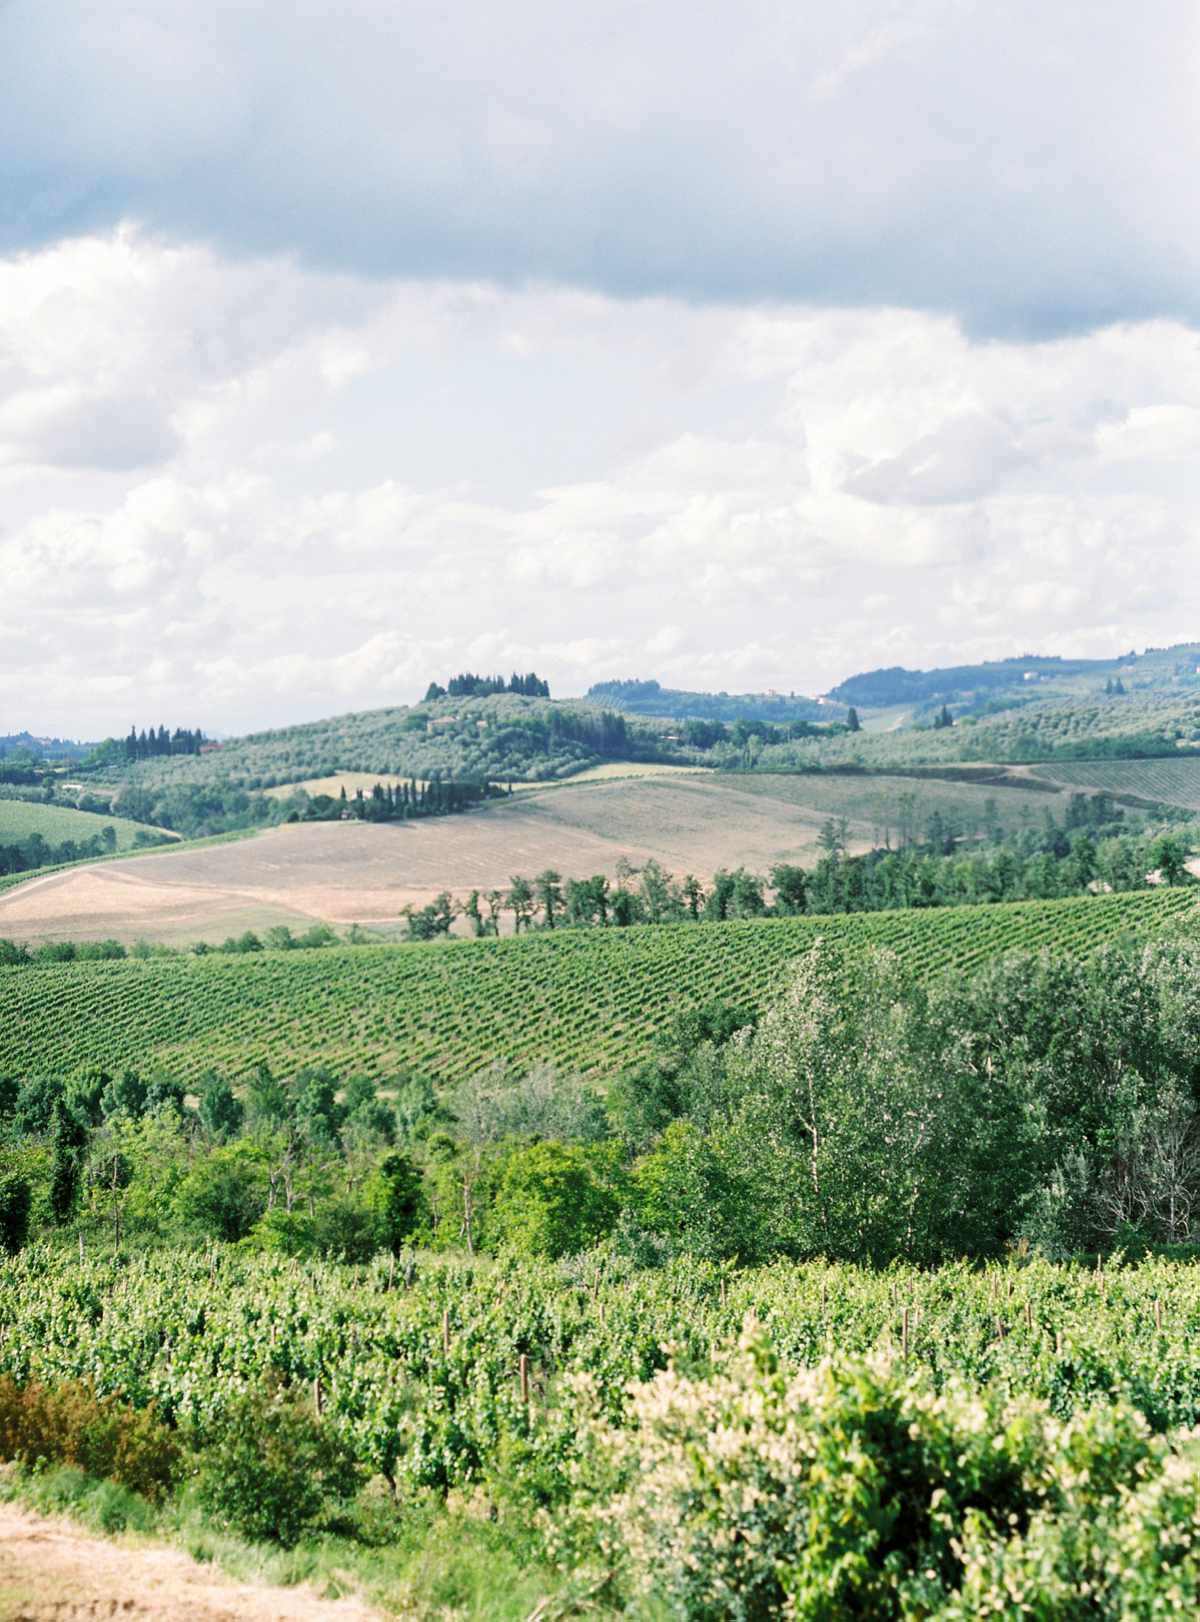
225,1194
857,1490
271,1466
395,1193
16,1199
550,1202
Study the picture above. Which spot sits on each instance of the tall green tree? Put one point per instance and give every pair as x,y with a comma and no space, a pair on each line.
548,886
69,1146
520,902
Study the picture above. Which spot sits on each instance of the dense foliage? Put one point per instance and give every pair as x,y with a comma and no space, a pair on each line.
467,685
35,851
865,1113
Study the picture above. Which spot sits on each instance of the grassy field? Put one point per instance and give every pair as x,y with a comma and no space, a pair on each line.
587,999
21,818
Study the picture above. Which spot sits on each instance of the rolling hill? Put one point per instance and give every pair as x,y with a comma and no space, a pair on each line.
19,819
588,999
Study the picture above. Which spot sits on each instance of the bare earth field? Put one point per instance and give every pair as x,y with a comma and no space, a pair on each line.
345,873
51,1572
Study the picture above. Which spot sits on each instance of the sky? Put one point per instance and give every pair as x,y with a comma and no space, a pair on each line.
345,346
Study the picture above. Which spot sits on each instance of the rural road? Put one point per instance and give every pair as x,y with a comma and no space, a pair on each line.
52,1572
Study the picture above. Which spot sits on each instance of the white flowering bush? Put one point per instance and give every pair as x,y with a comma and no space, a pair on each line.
855,1490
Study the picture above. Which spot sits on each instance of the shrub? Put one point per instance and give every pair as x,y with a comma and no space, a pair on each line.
102,1436
221,1113
550,1203
857,1490
34,1108
395,1193
271,1466
16,1198
225,1193
346,1228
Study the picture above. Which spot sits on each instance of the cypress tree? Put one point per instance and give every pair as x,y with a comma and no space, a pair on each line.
69,1142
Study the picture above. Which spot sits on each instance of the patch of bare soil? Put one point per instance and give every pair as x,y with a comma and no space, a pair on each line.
342,873
52,1572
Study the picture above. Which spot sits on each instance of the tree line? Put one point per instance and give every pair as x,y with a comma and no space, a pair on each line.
1041,863
471,686
35,851
147,746
401,802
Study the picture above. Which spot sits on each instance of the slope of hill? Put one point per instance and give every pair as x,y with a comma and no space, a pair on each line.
648,698
21,819
501,737
341,873
1156,675
591,999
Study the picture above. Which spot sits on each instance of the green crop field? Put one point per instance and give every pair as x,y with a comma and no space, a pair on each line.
1168,782
1058,1400
56,823
588,999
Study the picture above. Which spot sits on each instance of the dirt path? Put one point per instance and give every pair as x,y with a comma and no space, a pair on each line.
51,1572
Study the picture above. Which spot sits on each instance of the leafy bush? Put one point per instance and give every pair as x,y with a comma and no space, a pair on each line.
854,1489
550,1202
396,1196
271,1466
226,1193
102,1436
16,1198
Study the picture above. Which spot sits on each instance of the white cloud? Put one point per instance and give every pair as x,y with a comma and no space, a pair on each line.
337,490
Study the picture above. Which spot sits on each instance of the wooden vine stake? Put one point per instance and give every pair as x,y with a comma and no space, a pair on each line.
523,1369
445,1331
317,1404
1028,1315
392,1271
904,1334
722,1290
822,1298
1158,1317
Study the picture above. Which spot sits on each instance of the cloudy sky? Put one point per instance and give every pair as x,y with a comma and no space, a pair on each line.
348,344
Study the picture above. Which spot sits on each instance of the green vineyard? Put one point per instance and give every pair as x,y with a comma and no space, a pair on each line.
591,999
1034,1422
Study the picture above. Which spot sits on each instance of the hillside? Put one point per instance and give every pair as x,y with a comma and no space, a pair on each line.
648,698
1030,677
56,824
500,737
344,873
1038,711
591,999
